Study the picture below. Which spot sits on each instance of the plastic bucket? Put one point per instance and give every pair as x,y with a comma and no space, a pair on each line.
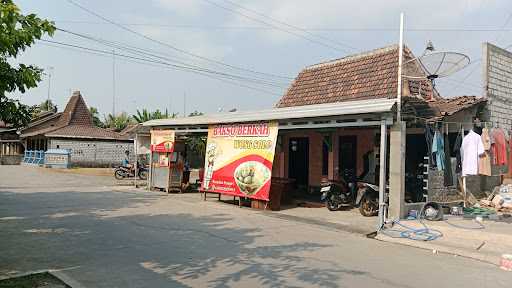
506,262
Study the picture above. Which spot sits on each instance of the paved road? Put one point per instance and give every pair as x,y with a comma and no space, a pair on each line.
106,238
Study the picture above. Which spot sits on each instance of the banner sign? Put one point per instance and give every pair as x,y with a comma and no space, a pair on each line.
162,141
239,159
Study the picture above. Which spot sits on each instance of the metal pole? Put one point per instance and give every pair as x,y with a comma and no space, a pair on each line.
50,69
382,174
136,160
400,60
113,83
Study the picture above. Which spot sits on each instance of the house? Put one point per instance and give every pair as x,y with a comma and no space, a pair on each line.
11,150
335,119
73,129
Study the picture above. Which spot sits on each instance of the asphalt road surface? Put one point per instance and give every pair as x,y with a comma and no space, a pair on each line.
103,236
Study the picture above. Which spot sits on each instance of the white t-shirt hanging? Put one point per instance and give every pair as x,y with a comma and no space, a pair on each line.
472,148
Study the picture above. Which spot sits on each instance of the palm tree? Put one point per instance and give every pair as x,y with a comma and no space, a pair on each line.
117,122
146,115
95,114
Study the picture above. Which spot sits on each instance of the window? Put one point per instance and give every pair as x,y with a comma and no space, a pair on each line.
325,155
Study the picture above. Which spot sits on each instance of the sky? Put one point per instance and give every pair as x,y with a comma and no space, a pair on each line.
258,38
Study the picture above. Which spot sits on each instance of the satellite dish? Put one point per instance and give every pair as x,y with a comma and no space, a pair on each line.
433,64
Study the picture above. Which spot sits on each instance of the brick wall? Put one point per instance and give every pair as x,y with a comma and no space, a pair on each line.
365,143
94,153
497,65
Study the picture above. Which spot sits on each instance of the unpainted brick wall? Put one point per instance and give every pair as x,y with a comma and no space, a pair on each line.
498,84
94,153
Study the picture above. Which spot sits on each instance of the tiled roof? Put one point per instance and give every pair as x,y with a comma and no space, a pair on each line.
439,108
82,131
365,76
76,112
74,122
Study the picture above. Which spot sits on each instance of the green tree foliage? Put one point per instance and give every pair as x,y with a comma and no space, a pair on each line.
45,106
117,122
195,113
146,115
17,33
95,114
197,144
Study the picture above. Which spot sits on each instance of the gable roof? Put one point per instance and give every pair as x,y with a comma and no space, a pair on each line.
74,122
365,76
82,131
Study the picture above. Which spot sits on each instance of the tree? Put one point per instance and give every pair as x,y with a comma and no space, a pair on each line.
146,115
47,105
195,113
95,114
117,122
44,106
17,33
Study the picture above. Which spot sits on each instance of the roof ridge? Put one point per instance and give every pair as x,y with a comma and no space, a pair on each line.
353,57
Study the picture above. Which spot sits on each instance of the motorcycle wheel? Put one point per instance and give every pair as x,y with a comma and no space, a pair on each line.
143,174
119,175
369,205
331,205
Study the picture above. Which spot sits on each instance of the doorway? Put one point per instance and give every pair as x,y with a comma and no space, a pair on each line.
298,160
348,158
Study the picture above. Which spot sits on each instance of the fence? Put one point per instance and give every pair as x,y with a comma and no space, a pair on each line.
35,157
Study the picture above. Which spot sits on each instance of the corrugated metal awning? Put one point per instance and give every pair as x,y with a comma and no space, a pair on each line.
374,106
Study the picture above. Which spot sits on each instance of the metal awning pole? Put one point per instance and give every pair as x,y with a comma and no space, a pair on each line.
136,159
382,174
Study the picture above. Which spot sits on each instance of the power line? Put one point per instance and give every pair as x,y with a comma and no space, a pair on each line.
141,51
148,62
319,29
291,26
276,27
169,45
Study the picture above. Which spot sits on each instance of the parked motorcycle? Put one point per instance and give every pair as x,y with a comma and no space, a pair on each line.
337,194
123,172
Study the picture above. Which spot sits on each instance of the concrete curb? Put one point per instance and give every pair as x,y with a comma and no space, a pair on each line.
66,279
482,257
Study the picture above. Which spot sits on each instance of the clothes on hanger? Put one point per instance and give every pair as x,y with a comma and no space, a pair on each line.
472,148
499,147
457,149
484,161
448,177
429,136
438,150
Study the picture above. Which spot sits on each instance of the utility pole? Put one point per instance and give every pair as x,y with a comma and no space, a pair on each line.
184,104
50,70
400,60
113,83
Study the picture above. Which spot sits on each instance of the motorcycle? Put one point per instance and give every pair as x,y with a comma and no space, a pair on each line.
337,194
123,172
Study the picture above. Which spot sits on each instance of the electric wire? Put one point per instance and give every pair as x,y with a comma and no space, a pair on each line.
277,27
89,11
291,26
142,51
152,63
325,29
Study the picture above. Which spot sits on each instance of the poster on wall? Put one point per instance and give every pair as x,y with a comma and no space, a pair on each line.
239,159
162,141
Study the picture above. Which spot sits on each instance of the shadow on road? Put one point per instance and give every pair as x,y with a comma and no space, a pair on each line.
61,230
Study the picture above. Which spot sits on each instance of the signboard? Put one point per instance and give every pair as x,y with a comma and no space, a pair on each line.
239,159
162,141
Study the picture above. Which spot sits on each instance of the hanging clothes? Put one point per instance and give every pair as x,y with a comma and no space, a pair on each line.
499,147
472,148
484,162
438,150
429,136
457,149
448,177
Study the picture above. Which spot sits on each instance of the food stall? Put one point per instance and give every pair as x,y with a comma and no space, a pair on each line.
166,161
